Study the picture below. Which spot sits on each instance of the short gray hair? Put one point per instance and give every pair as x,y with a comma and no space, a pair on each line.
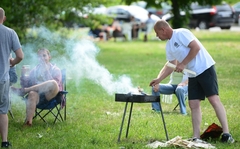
2,13
161,23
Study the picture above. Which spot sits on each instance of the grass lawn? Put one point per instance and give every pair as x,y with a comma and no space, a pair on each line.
93,116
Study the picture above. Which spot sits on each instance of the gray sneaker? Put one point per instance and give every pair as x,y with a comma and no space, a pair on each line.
227,138
6,145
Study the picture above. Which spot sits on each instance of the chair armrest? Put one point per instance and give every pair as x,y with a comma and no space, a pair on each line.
63,92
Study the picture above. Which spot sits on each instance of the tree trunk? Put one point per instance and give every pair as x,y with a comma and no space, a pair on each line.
177,20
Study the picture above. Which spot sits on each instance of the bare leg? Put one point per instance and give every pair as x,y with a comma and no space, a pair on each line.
50,88
196,117
220,111
4,127
134,29
145,38
31,103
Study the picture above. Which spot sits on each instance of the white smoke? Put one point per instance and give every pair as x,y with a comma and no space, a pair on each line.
79,59
83,58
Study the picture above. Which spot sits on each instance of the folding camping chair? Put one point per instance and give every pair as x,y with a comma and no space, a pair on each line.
168,98
186,96
55,105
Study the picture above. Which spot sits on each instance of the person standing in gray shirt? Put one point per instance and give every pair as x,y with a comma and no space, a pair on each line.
9,41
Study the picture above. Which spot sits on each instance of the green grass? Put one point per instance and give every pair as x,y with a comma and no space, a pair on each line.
89,126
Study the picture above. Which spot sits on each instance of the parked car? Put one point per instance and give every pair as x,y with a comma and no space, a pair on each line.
165,8
236,8
124,13
208,16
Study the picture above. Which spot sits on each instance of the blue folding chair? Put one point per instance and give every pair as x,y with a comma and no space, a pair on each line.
55,105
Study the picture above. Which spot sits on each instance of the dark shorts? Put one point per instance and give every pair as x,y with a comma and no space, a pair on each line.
204,85
42,99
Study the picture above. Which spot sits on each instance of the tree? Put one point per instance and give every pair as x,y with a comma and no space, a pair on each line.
177,6
24,14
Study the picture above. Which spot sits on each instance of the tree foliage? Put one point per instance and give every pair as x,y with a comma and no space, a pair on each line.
24,14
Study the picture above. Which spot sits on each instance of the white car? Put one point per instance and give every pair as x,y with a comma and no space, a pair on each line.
124,12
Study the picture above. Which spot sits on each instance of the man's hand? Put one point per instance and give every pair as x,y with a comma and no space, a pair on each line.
154,82
181,84
179,67
11,62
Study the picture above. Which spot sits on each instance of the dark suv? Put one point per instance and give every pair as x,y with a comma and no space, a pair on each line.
208,16
211,16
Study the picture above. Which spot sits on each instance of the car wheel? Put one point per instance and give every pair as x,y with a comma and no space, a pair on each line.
226,27
202,25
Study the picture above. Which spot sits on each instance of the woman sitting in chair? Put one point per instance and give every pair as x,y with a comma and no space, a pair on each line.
43,83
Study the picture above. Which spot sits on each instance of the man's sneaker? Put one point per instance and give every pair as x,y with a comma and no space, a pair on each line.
227,138
6,145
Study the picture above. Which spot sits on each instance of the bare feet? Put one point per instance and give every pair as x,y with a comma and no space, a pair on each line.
27,124
18,91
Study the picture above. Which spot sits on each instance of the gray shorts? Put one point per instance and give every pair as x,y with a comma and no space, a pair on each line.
4,97
204,85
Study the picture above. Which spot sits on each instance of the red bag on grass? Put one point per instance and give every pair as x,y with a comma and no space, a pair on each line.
213,131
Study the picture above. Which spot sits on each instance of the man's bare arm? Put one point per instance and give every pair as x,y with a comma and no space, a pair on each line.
19,57
165,71
194,49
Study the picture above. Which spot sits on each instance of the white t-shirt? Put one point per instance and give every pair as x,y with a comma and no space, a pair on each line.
177,49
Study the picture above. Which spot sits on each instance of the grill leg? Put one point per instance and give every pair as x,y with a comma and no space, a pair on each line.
164,124
129,119
124,114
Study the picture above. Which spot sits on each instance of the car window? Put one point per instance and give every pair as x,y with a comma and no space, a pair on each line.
236,6
223,8
122,12
112,11
195,6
